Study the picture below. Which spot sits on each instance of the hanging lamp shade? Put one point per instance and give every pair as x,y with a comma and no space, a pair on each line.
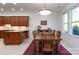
45,11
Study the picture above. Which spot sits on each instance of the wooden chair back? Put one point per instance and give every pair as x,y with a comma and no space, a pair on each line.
34,33
53,33
47,46
57,42
58,34
47,43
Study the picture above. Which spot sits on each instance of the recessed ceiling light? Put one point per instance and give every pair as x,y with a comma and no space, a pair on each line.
3,3
21,9
14,3
12,9
2,9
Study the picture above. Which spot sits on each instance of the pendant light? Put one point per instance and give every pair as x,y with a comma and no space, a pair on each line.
45,11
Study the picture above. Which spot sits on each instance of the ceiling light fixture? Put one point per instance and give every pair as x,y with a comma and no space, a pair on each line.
21,9
3,3
14,3
13,9
45,11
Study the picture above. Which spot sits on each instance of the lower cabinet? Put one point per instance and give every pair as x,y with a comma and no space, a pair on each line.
13,38
26,34
1,34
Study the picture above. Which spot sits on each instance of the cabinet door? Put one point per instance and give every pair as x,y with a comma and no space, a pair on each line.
20,18
6,38
6,20
16,21
1,33
12,38
1,21
26,20
27,34
23,20
9,20
12,20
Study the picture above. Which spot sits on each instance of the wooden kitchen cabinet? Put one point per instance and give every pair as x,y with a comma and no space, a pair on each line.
19,20
12,20
1,21
26,34
1,33
6,20
23,20
14,38
15,20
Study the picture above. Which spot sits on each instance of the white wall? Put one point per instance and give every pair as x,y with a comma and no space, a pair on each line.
54,22
70,42
35,18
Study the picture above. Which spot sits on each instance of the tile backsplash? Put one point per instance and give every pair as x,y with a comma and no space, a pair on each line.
14,28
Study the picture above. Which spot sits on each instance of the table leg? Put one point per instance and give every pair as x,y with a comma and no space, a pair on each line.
37,47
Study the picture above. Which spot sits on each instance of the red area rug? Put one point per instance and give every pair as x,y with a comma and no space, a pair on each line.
61,50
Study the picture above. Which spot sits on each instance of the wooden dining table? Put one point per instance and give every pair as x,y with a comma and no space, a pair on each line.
39,39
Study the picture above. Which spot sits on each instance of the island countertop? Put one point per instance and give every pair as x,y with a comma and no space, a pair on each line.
15,30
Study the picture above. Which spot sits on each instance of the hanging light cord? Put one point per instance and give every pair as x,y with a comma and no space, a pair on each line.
44,6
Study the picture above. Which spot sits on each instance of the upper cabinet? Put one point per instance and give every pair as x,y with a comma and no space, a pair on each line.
23,21
19,20
15,20
12,20
6,19
1,21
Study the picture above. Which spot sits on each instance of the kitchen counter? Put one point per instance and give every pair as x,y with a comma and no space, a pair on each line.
12,37
16,30
14,34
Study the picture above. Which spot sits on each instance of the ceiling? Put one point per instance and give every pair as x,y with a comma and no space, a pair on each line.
33,7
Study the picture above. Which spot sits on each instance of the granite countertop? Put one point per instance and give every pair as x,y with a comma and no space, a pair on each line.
15,30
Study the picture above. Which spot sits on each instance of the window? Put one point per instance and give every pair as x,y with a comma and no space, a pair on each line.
71,22
75,21
65,23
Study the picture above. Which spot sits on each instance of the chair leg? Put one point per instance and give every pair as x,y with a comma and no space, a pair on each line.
42,52
52,52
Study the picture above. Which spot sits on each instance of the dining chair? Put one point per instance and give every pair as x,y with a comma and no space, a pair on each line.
58,34
47,44
34,33
57,41
53,33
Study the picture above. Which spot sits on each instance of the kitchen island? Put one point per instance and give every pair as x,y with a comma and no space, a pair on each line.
12,37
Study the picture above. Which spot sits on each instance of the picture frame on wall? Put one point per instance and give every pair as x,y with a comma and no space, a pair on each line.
44,22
